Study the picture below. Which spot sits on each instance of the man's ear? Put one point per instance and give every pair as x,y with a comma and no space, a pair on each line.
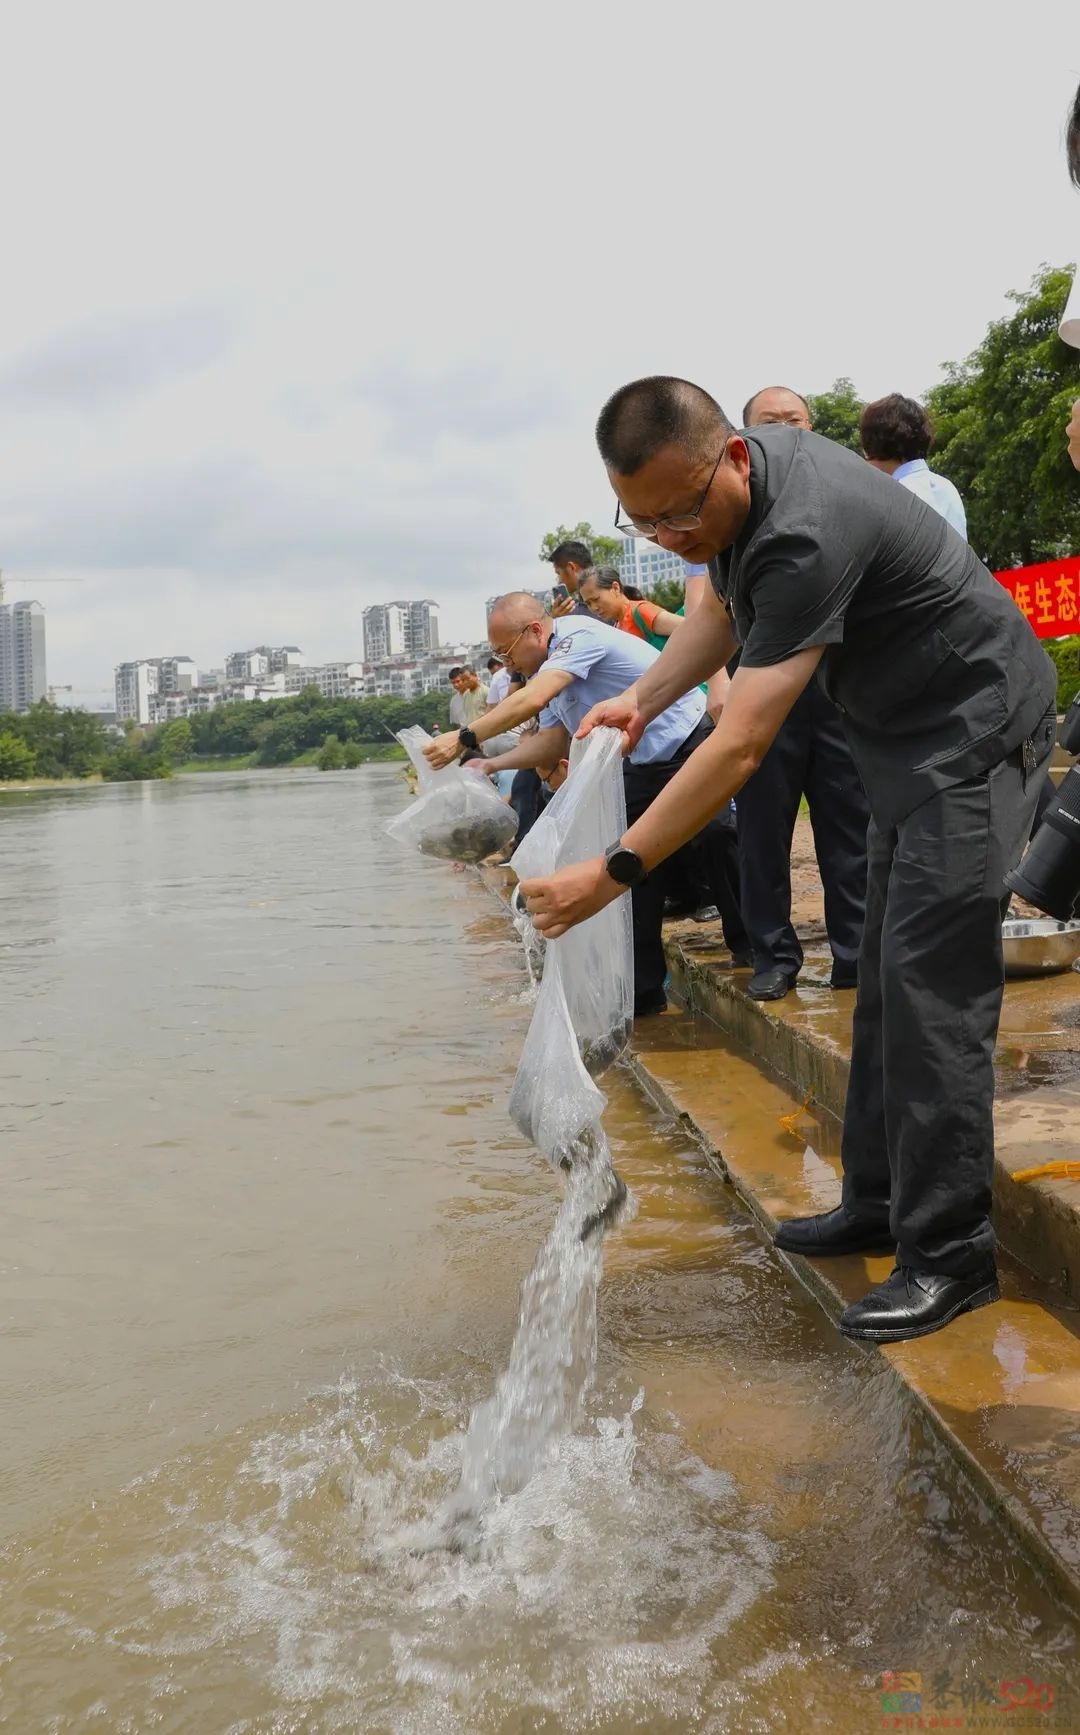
738,456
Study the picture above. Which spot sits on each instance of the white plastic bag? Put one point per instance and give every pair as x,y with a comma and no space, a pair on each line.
457,815
584,1011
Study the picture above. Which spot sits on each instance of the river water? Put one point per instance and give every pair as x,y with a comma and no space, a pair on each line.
265,1224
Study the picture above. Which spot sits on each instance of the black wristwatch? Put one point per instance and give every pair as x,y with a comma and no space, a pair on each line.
467,737
624,865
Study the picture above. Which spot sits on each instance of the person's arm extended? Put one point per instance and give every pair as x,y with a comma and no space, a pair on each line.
545,747
664,623
759,701
516,708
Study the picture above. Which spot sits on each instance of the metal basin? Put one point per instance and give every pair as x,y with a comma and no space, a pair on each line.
1039,947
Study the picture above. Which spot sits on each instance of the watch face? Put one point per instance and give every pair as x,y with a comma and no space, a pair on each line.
624,866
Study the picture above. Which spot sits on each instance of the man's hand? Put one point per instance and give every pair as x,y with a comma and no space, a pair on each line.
483,767
444,750
561,605
570,896
1073,431
620,713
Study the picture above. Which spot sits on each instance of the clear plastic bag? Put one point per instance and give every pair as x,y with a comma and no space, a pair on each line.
584,1011
457,815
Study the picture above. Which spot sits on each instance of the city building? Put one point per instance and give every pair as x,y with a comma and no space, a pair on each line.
136,685
400,629
644,564
334,680
22,655
263,660
141,685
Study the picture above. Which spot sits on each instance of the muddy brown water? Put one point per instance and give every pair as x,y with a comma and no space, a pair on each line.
265,1226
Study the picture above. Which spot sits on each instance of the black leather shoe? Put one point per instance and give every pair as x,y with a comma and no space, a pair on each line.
646,1004
843,979
771,984
833,1232
914,1303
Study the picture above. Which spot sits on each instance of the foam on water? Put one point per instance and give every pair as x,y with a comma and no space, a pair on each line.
601,1585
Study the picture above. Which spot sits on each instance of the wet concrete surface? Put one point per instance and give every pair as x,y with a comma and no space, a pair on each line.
1000,1386
806,1038
763,1086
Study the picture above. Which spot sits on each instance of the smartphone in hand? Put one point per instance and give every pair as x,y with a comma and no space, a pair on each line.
559,593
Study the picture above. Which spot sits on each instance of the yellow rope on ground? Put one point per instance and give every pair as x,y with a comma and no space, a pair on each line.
790,1121
1063,1169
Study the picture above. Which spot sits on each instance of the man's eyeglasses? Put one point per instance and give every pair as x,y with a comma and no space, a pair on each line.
501,656
680,521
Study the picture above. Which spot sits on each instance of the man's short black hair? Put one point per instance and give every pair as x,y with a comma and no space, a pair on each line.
748,407
896,427
455,672
571,551
1072,139
643,417
493,663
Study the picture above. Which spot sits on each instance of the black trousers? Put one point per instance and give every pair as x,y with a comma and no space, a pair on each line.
918,1141
526,799
810,757
642,784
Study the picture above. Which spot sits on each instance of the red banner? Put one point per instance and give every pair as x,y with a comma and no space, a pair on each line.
1048,595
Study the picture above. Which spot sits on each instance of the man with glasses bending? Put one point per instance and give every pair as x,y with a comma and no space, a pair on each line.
821,567
572,664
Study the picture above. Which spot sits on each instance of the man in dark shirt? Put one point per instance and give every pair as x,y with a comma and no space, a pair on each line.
810,756
826,569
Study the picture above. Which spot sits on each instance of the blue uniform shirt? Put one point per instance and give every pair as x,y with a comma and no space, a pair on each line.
937,491
604,662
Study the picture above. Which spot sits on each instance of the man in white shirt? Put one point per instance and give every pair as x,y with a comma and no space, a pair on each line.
896,435
573,664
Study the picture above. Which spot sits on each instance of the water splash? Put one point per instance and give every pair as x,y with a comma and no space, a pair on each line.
538,1398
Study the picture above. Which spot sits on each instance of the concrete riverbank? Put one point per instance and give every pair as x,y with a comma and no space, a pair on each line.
761,1087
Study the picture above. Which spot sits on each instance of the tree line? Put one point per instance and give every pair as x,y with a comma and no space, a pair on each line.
49,742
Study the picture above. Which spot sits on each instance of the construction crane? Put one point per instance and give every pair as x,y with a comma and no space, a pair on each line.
34,582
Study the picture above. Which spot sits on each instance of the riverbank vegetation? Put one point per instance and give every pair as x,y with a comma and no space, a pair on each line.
49,743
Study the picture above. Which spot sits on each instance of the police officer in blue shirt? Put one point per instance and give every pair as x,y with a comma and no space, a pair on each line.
823,568
573,664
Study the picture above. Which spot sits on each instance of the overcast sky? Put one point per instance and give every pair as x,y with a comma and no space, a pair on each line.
311,306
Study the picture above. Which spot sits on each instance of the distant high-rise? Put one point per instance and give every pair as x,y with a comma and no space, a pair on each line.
22,655
136,685
400,629
139,683
263,660
645,563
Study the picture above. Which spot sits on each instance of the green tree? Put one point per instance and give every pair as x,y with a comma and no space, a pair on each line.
331,756
836,414
668,593
1000,417
354,755
176,741
605,550
16,760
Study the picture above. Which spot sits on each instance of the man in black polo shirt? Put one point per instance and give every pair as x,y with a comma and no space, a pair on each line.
824,569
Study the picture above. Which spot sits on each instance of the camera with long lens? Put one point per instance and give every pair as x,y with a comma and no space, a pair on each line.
1049,875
